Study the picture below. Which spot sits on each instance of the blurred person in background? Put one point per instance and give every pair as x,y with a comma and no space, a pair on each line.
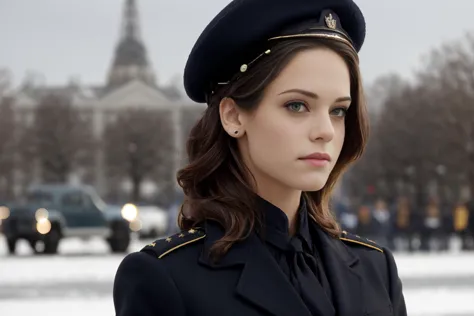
462,226
432,229
446,214
285,118
403,224
365,222
347,217
383,228
470,226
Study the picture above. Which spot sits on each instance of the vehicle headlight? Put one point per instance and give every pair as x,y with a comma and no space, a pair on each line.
41,213
43,226
129,212
4,212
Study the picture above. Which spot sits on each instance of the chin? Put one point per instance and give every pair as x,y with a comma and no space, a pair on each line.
309,185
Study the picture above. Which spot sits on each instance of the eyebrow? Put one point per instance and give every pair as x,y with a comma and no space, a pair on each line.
313,95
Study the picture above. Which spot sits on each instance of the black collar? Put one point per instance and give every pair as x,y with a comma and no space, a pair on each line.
276,225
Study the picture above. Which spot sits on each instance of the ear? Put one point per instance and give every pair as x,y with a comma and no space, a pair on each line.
231,117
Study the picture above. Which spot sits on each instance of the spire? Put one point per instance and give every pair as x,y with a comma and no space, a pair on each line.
130,22
130,61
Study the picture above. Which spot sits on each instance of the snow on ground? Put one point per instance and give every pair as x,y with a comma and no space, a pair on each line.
58,307
90,261
440,301
79,261
424,265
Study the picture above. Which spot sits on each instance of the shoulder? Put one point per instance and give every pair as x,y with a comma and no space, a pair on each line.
147,260
356,241
378,265
135,290
170,245
372,256
135,285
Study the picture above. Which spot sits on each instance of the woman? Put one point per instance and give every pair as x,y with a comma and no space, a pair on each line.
285,118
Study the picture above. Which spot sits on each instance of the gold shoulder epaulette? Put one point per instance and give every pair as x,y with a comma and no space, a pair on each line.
162,247
356,239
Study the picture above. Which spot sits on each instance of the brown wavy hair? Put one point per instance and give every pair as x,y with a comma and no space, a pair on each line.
217,184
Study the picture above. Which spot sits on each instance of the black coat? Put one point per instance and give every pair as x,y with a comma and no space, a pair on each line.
174,277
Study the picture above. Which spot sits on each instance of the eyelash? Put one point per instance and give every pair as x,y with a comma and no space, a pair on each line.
341,108
289,104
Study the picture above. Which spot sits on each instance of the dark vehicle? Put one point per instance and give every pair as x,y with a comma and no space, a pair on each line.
53,212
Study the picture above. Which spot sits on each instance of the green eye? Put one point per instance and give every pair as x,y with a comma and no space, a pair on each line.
296,107
341,112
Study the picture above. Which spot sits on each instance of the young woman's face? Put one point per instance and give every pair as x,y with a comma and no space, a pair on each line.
296,134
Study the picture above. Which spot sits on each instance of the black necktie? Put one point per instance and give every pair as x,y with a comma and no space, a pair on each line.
306,278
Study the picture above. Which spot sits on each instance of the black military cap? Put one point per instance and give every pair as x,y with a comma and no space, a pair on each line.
246,29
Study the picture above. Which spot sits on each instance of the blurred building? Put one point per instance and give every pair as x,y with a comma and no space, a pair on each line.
130,83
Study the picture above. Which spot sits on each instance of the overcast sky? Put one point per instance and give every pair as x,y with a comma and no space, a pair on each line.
64,38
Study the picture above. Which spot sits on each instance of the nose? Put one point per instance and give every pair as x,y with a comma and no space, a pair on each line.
322,127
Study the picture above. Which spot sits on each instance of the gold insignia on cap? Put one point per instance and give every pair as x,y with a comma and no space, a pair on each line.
330,21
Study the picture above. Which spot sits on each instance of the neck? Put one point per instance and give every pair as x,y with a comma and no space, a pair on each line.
285,198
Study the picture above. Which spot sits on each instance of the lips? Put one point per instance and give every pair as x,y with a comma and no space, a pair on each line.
317,156
317,159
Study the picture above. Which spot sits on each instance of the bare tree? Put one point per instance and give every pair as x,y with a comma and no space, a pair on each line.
5,81
374,170
7,136
449,75
7,147
32,81
383,88
407,131
190,116
423,133
138,146
59,138
401,146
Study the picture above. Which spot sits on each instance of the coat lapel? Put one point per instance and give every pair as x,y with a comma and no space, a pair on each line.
343,271
261,283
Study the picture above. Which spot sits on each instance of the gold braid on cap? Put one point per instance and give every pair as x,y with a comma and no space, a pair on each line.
244,67
329,32
317,35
